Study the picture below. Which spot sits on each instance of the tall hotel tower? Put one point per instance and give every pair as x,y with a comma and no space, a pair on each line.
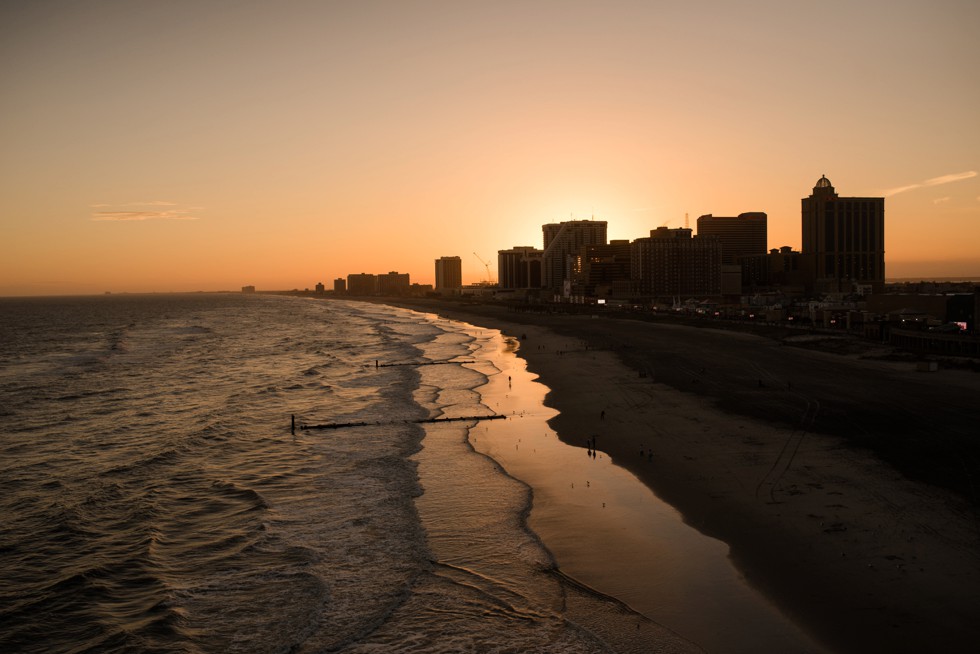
562,242
741,236
846,237
449,274
519,268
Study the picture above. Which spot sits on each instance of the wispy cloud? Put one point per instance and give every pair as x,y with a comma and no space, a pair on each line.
935,181
136,211
141,215
946,179
900,189
942,200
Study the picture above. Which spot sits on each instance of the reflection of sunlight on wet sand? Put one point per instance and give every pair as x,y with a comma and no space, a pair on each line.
609,531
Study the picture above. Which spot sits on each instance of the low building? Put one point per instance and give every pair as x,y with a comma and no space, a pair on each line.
785,269
935,309
731,280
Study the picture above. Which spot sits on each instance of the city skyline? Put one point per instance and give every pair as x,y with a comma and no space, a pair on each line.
204,146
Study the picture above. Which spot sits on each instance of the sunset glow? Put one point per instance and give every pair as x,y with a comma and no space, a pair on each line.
203,146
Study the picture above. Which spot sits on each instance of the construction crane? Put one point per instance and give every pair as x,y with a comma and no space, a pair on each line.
486,265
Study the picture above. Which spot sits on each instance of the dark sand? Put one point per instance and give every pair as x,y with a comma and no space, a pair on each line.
845,488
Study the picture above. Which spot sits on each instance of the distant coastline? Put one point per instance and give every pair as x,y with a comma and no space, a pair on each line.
925,279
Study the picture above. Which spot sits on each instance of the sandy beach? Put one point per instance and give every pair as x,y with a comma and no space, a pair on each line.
612,536
813,468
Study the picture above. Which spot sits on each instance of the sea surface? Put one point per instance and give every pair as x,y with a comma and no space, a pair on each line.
154,499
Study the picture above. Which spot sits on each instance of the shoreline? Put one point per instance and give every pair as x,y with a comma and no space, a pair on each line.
860,555
611,536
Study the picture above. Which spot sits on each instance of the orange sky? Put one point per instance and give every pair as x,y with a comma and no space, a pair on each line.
207,145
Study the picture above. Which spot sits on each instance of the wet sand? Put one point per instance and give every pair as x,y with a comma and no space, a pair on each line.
807,465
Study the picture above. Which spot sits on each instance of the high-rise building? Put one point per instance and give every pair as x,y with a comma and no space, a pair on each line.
743,235
340,286
671,263
394,283
599,268
362,284
846,237
519,268
449,274
562,243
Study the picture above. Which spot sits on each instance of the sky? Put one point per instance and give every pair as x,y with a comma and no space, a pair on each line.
206,145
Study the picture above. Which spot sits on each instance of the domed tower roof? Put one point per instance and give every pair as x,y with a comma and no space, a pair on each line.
824,188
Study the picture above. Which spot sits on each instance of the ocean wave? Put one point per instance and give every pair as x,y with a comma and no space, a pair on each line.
250,497
101,393
191,330
165,457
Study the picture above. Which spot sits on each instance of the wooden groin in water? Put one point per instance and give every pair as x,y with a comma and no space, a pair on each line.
420,421
378,364
418,363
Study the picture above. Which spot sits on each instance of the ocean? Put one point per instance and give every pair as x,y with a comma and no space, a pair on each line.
154,498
